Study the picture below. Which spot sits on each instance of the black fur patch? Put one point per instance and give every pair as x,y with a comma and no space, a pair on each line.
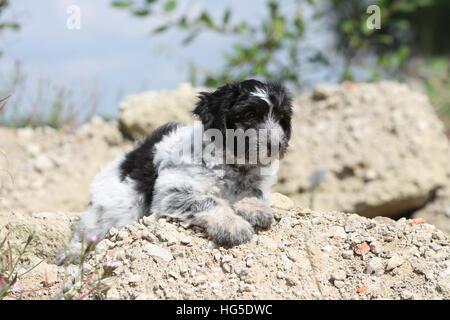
138,163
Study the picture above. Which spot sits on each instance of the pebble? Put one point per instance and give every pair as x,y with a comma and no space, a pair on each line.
348,254
245,287
122,235
186,241
406,295
158,252
42,163
375,266
435,246
290,281
199,280
227,258
339,275
217,257
113,232
148,221
394,262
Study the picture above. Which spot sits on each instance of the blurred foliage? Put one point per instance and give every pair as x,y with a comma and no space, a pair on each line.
268,49
5,24
436,76
408,28
45,102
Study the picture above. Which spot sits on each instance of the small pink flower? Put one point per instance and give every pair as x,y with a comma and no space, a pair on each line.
16,289
93,239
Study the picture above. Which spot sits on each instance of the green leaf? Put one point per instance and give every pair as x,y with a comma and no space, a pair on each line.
121,4
170,6
226,16
141,12
204,17
402,54
299,24
161,29
182,23
190,38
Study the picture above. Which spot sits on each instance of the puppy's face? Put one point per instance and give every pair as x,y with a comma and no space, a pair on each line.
254,118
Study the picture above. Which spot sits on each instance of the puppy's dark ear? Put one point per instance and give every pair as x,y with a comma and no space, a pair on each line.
212,107
204,108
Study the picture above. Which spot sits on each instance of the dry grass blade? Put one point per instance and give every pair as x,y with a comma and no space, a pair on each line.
3,102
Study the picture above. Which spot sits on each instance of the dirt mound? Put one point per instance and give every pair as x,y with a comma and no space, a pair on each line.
51,231
305,255
381,145
140,114
44,169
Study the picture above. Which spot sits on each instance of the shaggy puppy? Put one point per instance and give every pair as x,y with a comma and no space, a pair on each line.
215,173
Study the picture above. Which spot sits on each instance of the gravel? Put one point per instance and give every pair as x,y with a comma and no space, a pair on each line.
286,262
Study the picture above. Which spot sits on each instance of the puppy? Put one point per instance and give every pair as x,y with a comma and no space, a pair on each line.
215,174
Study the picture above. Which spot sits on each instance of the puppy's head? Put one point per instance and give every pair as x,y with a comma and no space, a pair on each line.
251,112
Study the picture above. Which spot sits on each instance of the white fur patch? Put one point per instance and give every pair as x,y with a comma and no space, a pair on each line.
262,94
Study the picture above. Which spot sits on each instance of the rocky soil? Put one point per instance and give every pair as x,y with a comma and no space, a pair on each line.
305,255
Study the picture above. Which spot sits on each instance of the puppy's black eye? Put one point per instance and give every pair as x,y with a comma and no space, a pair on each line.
250,114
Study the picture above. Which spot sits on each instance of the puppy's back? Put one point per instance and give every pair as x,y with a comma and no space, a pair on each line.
138,163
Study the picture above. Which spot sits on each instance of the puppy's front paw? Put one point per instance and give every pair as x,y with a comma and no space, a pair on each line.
224,227
255,212
232,233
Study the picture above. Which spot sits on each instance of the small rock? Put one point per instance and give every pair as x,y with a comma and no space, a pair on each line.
338,275
435,246
158,252
122,235
42,163
149,221
363,249
406,295
394,262
282,202
291,282
348,254
375,266
244,287
199,280
186,241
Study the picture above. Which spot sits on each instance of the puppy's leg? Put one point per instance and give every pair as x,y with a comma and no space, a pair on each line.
224,226
189,199
255,211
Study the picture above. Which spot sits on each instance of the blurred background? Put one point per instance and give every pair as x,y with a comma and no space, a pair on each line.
57,74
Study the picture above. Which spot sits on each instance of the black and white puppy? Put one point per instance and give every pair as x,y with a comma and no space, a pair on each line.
198,173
